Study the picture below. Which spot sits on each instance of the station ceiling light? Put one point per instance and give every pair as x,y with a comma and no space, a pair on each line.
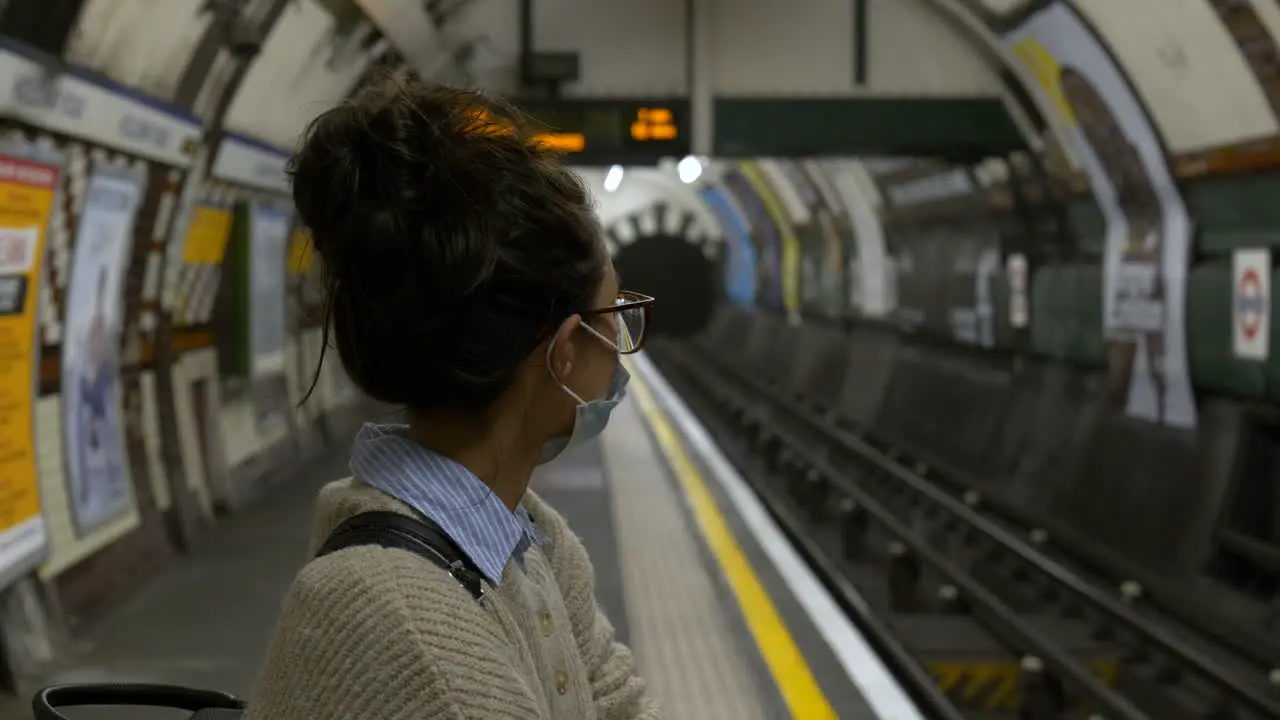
689,169
613,179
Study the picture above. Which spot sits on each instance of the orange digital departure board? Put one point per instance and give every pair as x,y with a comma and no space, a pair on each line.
605,132
563,142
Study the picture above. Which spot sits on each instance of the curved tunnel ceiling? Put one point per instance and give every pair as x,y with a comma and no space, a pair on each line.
1182,58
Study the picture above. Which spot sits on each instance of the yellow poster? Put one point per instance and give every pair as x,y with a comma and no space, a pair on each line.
207,235
791,256
301,254
27,190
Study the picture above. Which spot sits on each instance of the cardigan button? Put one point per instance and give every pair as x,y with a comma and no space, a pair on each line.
562,681
544,621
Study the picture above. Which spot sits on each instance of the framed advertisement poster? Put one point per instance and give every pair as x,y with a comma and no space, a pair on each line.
1148,230
269,232
99,486
27,194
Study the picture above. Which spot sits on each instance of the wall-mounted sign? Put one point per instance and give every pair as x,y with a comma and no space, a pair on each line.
75,105
1148,228
208,232
607,132
268,330
245,162
932,188
98,485
1016,272
1251,304
26,202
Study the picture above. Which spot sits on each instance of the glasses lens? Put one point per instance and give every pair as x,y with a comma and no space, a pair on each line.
630,324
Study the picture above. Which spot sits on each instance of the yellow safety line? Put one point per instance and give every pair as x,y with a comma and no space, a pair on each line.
791,673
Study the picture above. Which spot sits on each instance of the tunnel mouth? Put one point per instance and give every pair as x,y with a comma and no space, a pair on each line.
675,272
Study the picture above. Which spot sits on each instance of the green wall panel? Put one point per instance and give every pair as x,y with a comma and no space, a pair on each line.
747,127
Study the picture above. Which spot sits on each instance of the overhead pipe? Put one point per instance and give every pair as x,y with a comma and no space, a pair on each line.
525,50
229,92
231,29
699,20
860,36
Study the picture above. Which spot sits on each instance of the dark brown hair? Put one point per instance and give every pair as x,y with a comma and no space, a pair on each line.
451,243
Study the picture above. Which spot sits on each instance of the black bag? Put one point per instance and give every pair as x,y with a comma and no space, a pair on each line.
387,529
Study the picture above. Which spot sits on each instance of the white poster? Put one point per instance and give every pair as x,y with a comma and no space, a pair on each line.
269,230
268,240
1251,304
97,466
1148,233
1016,272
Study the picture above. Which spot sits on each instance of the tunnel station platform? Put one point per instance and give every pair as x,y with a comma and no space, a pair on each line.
725,619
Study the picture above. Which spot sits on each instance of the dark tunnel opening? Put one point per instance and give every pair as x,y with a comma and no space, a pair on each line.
678,274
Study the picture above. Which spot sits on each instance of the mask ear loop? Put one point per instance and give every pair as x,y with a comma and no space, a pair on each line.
551,347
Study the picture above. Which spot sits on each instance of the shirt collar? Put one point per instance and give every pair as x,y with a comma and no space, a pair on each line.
447,493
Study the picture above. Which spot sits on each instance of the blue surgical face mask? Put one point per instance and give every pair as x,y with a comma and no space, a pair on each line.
591,416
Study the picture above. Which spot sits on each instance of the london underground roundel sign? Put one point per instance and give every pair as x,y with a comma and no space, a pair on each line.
1250,303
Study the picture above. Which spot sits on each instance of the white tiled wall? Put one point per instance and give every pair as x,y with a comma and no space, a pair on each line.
152,438
239,438
65,548
192,368
239,430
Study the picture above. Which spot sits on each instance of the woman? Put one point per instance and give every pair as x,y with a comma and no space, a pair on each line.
467,281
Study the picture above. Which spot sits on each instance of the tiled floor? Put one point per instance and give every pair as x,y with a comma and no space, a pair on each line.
206,622
690,642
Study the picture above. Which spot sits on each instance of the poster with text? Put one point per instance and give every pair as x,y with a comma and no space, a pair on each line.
27,191
269,232
208,232
1148,230
97,470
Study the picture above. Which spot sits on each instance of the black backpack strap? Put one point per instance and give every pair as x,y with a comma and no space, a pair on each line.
422,537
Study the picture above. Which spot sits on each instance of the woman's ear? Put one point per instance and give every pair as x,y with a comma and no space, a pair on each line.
563,350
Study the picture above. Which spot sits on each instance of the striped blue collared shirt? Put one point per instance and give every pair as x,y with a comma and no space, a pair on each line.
446,492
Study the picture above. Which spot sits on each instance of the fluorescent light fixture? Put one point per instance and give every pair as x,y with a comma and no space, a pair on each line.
613,179
689,169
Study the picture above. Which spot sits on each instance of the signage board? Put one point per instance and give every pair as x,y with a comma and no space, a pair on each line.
27,193
608,132
1016,270
95,111
98,482
247,162
1251,304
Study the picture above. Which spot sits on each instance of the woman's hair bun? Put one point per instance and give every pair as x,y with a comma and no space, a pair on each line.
428,206
405,158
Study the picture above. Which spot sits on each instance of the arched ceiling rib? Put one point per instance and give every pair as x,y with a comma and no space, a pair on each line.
1186,68
1184,61
641,188
407,27
307,64
141,43
785,190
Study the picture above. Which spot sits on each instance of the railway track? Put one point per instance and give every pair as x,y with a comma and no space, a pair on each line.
982,612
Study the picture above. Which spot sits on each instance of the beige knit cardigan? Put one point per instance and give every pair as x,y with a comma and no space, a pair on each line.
369,633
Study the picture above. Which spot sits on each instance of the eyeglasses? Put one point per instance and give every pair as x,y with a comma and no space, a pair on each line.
631,318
